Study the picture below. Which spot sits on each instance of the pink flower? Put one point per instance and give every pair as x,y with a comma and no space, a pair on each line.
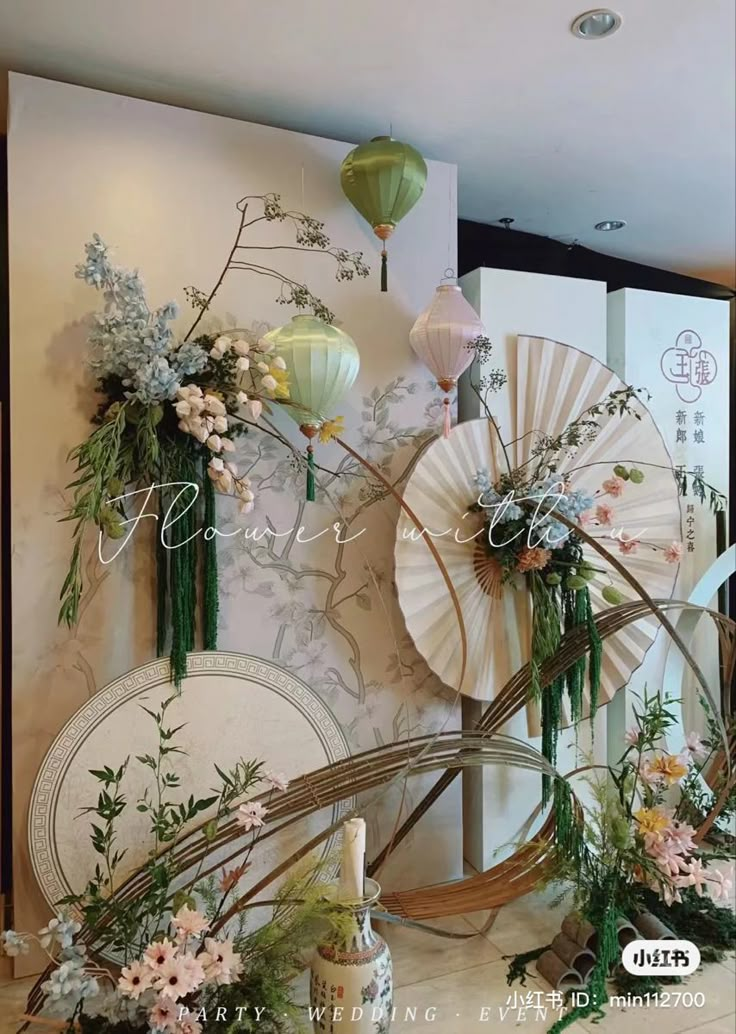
221,963
135,979
719,886
250,816
631,736
189,923
188,1025
230,877
604,513
159,953
277,780
694,876
585,518
681,834
180,976
694,745
614,486
670,893
673,553
163,1016
666,853
627,546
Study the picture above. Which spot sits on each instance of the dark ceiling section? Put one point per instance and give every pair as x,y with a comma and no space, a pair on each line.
501,248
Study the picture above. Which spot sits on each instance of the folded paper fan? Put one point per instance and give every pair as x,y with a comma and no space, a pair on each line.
549,385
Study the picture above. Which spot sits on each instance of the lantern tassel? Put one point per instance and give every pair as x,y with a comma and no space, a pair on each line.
447,422
310,474
384,270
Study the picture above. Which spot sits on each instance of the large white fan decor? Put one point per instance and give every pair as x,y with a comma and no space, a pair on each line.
549,385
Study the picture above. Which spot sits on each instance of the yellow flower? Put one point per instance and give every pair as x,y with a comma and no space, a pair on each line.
669,766
331,428
281,391
652,820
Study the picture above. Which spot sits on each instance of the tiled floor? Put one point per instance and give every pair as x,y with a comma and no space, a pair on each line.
445,984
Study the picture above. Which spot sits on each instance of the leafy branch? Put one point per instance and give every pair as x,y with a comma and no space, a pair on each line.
309,236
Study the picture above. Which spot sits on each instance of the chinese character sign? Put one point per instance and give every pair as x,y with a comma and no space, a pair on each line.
689,366
677,347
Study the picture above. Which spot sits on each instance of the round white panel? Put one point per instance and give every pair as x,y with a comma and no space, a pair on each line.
233,706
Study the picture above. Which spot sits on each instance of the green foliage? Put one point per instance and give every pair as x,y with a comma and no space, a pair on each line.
127,926
274,955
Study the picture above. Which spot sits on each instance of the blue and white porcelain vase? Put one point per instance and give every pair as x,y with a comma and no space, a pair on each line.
351,987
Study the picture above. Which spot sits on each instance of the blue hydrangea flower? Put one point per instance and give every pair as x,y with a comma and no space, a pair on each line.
131,341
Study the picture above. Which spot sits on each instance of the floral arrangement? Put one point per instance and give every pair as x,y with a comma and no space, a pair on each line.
641,854
532,536
171,413
177,964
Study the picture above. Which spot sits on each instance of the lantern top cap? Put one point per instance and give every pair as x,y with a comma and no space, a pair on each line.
376,138
448,287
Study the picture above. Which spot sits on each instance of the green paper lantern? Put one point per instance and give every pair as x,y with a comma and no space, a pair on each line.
322,363
383,179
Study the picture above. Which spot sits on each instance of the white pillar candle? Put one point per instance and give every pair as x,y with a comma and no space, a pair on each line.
352,864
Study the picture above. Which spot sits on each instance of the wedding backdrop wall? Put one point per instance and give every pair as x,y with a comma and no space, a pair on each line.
160,185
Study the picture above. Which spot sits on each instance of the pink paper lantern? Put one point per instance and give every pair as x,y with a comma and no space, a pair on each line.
441,337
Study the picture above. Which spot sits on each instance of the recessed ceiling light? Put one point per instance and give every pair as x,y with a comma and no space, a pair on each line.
610,224
596,24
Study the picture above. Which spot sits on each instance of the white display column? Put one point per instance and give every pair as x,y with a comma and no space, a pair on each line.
497,800
677,347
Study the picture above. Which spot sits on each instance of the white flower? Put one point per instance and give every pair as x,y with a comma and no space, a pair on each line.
242,398
183,408
227,445
158,954
269,382
277,780
255,408
221,962
60,929
180,976
246,505
214,443
219,424
241,347
214,406
694,745
243,364
278,362
263,367
135,979
221,346
14,944
198,431
250,816
265,345
215,467
189,923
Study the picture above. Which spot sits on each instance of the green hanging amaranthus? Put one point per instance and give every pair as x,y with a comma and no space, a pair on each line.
182,515
556,608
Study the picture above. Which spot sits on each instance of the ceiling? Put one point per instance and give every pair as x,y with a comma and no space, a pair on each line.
556,132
